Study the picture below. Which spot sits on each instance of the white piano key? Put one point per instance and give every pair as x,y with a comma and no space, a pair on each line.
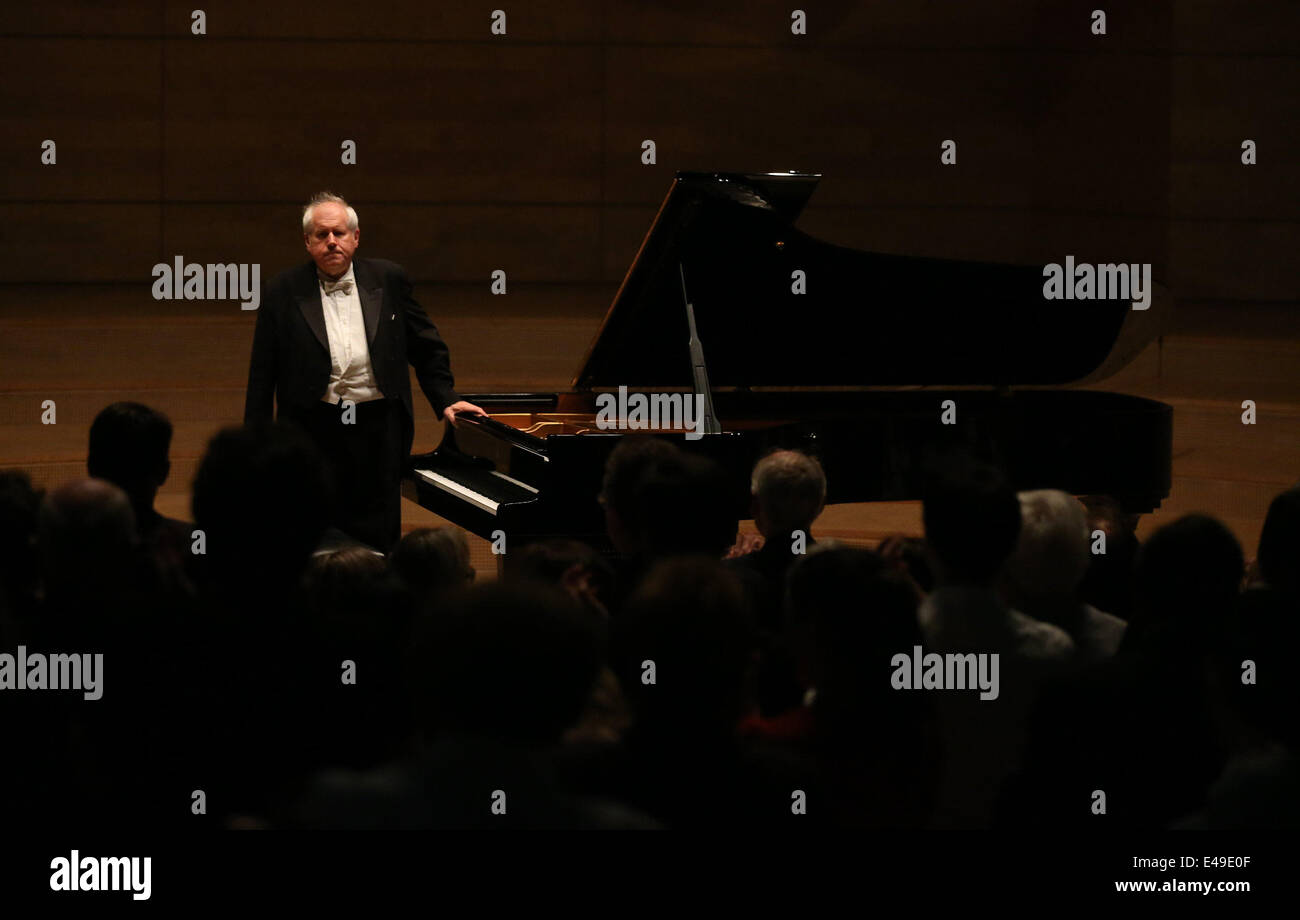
511,479
455,488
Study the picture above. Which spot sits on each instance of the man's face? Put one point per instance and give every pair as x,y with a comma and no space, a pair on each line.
330,242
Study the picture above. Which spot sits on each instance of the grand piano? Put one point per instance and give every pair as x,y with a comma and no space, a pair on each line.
854,365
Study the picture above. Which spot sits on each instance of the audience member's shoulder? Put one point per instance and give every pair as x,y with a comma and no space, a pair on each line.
745,567
960,610
1258,789
752,579
1039,640
176,529
1104,631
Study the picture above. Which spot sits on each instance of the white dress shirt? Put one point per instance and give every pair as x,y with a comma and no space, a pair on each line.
351,375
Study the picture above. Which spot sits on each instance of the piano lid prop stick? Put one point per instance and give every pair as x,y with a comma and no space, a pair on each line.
698,370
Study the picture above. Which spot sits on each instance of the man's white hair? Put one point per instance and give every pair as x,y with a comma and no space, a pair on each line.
792,488
1051,555
321,198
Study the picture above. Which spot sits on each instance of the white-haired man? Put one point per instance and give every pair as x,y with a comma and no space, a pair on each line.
1042,576
333,340
788,492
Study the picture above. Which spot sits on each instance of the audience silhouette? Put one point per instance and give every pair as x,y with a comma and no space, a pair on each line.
260,669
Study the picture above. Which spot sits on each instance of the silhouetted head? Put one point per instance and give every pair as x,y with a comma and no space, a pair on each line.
129,443
972,520
625,468
346,579
1279,543
683,645
850,613
686,505
432,561
355,601
662,501
1187,582
512,662
568,564
86,537
262,500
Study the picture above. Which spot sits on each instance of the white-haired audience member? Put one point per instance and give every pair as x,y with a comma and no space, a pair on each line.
788,492
1042,576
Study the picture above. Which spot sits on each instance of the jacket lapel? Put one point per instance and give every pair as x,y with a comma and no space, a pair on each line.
306,291
371,292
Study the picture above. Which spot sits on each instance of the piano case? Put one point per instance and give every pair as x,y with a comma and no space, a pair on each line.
855,361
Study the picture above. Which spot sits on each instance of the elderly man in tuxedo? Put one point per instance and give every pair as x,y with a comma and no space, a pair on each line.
332,343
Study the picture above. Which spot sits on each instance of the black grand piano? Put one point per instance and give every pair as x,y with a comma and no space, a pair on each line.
854,362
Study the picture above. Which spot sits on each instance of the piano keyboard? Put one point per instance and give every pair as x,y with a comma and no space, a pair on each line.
485,489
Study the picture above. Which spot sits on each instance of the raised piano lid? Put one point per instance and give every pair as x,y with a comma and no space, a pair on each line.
867,319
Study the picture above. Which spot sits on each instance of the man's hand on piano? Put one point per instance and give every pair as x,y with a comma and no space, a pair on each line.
456,408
